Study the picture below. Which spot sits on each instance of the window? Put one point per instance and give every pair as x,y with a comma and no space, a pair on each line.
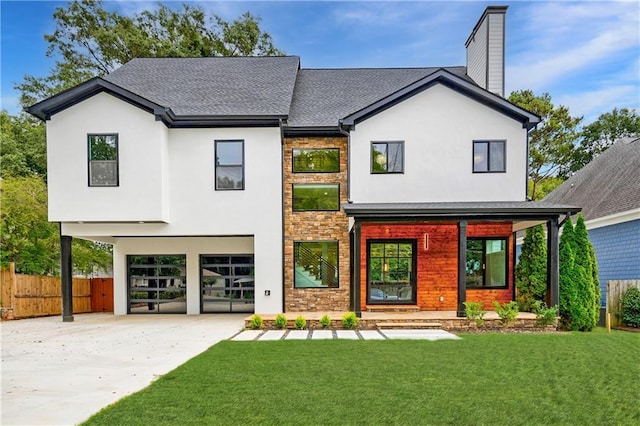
486,263
391,271
315,264
323,197
157,284
489,156
103,160
229,165
320,160
387,157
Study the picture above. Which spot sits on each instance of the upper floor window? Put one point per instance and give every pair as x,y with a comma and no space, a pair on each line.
489,156
387,157
311,196
486,263
316,160
229,165
103,160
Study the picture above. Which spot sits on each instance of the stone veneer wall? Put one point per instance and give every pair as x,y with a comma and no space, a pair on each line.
314,226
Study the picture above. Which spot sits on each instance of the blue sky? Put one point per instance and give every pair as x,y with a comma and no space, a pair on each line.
585,54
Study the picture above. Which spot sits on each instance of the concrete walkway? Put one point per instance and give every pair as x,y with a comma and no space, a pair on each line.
56,373
270,335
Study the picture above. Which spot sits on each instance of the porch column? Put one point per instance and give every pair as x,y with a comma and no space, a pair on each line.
462,271
553,263
66,278
355,264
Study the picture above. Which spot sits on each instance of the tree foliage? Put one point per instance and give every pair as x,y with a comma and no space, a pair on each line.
92,41
602,133
585,257
551,143
531,270
23,146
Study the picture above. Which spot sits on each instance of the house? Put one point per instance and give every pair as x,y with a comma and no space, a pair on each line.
257,185
608,189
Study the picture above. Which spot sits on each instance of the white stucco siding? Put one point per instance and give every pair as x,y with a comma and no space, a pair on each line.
140,195
438,127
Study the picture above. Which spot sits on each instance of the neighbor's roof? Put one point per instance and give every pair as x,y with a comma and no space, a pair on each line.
609,184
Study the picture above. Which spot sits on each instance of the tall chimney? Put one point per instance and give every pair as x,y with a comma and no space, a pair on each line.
485,50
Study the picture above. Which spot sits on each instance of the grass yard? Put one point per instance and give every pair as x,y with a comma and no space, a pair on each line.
497,379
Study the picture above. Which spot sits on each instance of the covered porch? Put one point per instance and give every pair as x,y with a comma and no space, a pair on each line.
436,256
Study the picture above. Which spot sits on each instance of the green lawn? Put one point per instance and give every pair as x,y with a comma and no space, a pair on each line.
492,379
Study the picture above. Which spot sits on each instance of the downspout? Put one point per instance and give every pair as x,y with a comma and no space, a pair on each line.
348,136
282,171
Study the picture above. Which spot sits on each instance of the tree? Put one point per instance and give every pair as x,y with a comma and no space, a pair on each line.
23,146
91,41
531,270
590,290
551,143
602,133
567,277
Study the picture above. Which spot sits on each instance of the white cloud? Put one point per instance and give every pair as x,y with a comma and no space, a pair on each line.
593,103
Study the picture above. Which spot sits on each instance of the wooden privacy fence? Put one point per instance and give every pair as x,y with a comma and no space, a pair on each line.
615,290
26,296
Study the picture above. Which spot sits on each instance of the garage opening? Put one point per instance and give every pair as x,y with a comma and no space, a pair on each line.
157,284
227,283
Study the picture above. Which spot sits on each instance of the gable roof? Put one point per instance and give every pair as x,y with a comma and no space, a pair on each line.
607,185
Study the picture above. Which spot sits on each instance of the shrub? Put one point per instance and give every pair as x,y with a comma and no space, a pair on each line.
507,311
256,322
473,311
544,315
531,270
300,322
281,321
325,321
631,307
350,320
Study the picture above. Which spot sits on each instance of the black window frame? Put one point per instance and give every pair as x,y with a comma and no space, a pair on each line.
293,160
293,197
484,258
90,161
386,172
217,166
413,280
337,265
489,143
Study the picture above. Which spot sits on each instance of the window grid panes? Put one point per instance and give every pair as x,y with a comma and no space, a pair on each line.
387,157
157,284
103,160
489,156
391,271
229,165
316,197
315,264
316,160
486,263
227,283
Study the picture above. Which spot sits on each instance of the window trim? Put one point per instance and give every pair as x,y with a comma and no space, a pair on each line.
293,160
89,160
414,270
387,172
293,187
216,165
295,242
484,257
489,142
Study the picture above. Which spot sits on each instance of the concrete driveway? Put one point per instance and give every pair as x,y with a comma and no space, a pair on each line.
56,373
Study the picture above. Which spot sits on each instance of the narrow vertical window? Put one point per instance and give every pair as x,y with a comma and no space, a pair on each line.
387,157
103,160
229,165
489,156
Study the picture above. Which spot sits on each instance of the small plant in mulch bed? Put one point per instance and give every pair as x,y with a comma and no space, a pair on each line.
473,311
507,312
280,321
256,322
544,316
325,321
300,322
350,320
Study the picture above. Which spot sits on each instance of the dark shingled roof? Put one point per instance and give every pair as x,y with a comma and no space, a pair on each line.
609,184
219,86
323,96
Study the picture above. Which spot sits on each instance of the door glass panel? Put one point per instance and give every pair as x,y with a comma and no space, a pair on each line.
157,284
390,272
227,283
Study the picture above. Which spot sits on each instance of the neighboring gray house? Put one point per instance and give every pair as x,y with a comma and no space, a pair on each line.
608,190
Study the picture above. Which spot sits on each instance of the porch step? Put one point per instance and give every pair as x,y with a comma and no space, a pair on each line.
410,325
393,308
